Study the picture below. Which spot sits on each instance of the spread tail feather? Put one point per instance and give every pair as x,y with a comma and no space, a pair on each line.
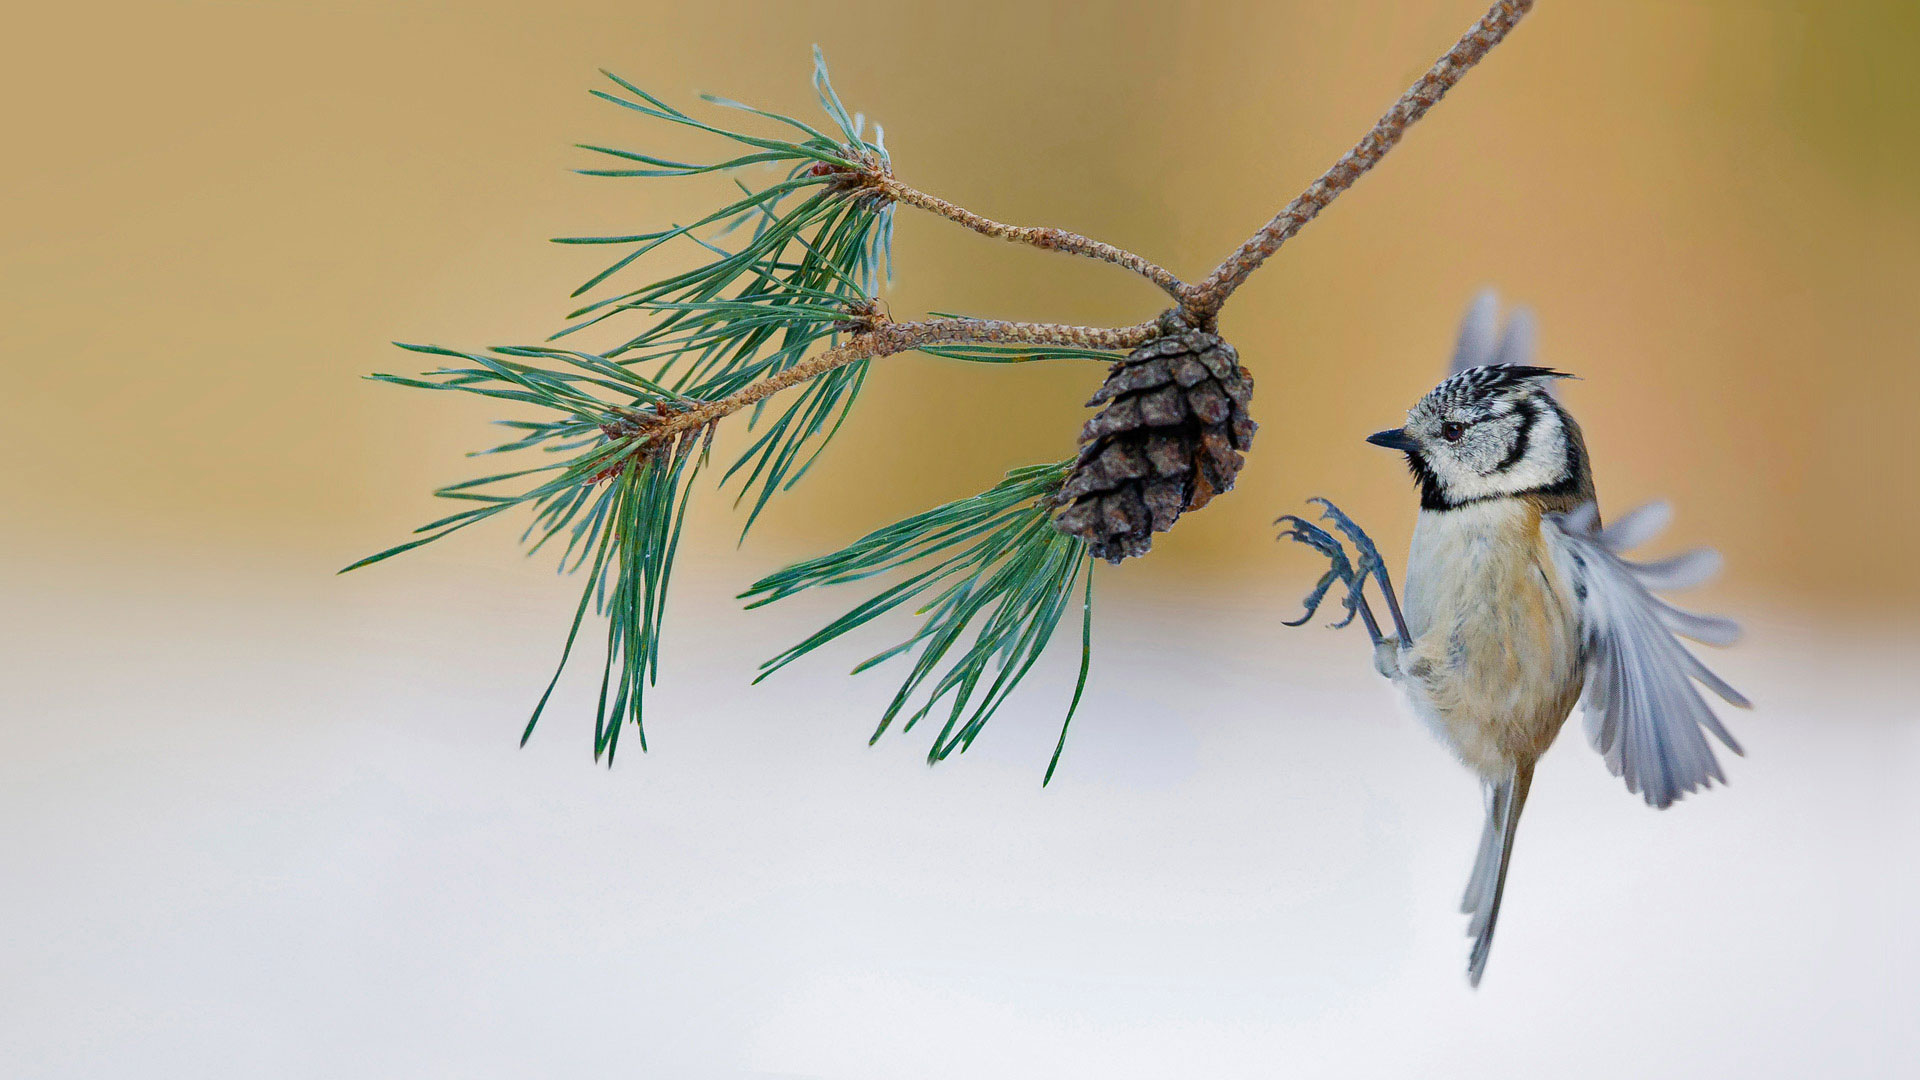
1505,800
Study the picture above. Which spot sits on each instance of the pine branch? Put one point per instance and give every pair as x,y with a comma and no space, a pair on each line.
794,265
618,500
786,298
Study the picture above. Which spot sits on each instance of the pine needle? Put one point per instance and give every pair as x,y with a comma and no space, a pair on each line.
992,578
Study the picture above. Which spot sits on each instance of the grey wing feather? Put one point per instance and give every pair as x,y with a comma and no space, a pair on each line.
1643,712
1516,341
1640,525
1682,571
1484,341
1476,343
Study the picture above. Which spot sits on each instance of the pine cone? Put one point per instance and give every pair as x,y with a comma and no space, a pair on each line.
1167,442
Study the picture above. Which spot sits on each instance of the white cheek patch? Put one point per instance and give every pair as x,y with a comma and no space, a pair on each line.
1542,465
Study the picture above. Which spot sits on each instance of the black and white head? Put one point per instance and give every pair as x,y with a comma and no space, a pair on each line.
1493,432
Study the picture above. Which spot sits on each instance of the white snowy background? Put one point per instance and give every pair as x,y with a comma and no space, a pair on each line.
283,830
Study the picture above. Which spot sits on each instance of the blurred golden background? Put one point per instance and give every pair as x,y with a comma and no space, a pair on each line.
219,215
260,820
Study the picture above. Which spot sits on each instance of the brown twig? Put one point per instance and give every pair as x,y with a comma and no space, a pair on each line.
1204,300
1047,239
887,338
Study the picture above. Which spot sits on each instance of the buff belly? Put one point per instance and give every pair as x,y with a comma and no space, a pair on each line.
1495,663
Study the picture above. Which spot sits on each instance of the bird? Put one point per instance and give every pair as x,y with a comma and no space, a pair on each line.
1520,604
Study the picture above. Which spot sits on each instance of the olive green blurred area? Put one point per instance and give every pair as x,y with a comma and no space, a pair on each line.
217,215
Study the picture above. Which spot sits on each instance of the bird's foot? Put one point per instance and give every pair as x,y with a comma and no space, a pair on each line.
1340,569
1370,563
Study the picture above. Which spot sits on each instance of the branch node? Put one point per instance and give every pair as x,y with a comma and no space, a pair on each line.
655,433
1179,320
864,316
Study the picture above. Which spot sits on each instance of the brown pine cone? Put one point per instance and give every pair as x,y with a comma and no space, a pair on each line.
1168,441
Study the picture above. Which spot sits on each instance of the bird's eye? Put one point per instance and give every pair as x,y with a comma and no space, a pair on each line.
1452,431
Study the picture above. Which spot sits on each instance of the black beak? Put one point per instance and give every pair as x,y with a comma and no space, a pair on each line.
1394,439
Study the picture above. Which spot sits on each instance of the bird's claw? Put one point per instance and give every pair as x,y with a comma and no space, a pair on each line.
1341,568
1345,569
1369,555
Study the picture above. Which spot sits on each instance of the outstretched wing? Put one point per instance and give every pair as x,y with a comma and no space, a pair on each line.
1482,340
1643,712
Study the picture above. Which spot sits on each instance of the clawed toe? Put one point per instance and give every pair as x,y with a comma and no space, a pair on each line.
1370,562
1341,569
1369,555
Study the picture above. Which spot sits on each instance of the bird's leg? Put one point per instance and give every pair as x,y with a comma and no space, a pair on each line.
1370,561
1341,570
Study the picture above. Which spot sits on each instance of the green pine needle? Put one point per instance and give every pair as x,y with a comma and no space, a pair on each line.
613,497
812,229
789,262
993,578
796,251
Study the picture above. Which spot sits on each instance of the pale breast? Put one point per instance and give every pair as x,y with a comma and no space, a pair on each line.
1495,664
